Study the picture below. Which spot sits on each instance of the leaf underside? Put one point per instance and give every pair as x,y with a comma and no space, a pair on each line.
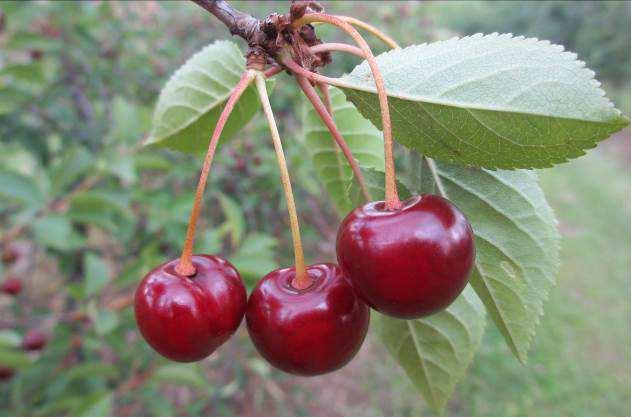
192,100
493,101
332,168
517,245
436,351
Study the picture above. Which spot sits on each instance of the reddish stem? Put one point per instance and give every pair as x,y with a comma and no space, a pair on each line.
326,97
392,198
185,267
325,115
370,28
273,70
337,47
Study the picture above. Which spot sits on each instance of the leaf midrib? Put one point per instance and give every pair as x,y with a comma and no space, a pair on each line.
616,118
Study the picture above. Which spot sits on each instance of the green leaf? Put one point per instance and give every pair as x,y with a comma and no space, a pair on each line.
517,245
10,338
19,187
105,321
192,100
97,406
22,39
75,162
494,101
235,221
11,99
185,374
255,255
91,370
375,181
96,274
130,121
332,168
55,231
435,351
14,358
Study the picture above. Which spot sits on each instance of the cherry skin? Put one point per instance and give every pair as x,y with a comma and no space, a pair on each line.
407,263
187,318
34,340
11,286
307,332
6,373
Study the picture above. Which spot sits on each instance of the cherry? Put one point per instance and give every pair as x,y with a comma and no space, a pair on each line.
409,262
10,255
11,286
6,373
311,331
34,339
186,318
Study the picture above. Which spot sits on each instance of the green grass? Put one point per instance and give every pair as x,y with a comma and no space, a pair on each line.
580,362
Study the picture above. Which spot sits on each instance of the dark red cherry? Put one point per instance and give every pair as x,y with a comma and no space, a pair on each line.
409,262
11,286
311,331
186,318
34,339
6,373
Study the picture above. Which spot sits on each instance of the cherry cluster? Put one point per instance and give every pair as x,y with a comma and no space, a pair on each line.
406,259
405,263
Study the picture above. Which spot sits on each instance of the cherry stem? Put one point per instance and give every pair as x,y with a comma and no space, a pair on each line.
185,267
326,97
337,47
394,45
439,182
392,197
302,279
325,116
370,28
273,70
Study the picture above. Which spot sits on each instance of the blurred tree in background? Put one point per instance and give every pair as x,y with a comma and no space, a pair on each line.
86,210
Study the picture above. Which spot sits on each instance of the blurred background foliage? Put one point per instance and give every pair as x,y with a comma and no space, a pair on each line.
86,211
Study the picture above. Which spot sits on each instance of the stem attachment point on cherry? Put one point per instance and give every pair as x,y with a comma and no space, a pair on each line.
185,267
302,280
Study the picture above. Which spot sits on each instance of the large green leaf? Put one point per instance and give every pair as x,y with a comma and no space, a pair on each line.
517,244
192,100
332,168
494,101
435,351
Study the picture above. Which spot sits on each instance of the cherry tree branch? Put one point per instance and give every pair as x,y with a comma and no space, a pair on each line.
237,22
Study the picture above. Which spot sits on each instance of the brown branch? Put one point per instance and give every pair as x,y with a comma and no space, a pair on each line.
238,22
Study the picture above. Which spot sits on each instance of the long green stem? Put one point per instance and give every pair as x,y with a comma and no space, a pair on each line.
302,279
185,267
